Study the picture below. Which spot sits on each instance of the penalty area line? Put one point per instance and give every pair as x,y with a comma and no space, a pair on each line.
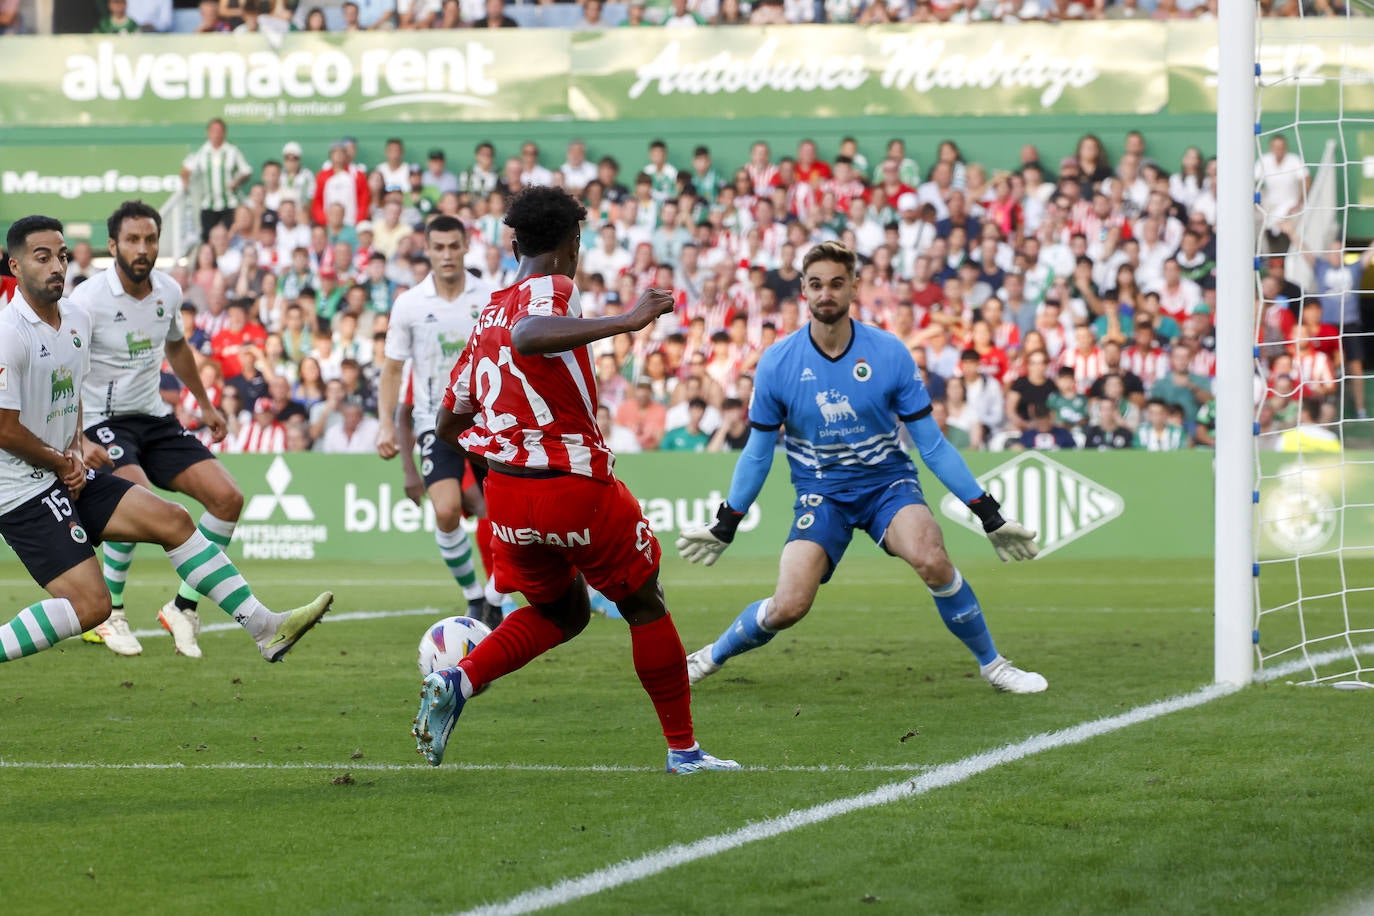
343,617
654,863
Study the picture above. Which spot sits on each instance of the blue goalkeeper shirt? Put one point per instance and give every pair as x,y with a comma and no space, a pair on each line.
839,416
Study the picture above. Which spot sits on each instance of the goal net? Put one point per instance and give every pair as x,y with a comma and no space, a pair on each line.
1313,444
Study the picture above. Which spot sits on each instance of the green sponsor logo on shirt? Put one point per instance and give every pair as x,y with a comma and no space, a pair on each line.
63,385
139,343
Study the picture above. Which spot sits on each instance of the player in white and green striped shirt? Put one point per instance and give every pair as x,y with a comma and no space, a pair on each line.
217,170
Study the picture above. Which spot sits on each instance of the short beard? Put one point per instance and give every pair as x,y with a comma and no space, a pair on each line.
825,319
130,272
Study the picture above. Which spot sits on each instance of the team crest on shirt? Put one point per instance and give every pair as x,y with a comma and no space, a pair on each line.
160,310
862,371
806,521
78,533
116,452
76,340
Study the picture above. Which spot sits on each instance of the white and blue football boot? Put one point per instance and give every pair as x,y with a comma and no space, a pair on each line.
441,702
685,763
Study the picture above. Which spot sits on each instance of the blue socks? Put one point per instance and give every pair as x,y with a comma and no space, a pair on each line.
963,617
747,632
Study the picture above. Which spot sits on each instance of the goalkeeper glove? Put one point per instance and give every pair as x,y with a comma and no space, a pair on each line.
705,545
1011,540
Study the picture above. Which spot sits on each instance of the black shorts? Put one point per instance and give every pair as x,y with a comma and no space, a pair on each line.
439,460
1355,344
159,445
52,533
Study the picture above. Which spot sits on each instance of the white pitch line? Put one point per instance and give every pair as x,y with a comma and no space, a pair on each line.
329,618
420,767
650,864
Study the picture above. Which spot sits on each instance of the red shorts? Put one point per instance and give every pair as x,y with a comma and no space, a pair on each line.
546,530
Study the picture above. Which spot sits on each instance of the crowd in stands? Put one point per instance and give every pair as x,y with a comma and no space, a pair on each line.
290,15
1068,303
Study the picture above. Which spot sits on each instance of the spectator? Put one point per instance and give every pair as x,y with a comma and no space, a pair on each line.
1032,389
622,441
1157,434
210,20
591,17
681,17
240,340
496,17
577,171
1338,286
355,435
315,21
1180,386
1068,407
689,437
733,431
218,169
1043,433
344,184
285,406
116,21
634,15
1107,431
264,435
643,416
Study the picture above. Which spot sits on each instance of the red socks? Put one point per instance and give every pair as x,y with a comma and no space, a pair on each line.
524,635
659,661
661,665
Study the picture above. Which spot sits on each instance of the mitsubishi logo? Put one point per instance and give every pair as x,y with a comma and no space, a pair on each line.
262,505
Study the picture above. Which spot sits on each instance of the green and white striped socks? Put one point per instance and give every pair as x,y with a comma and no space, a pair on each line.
456,550
38,626
205,567
218,532
117,556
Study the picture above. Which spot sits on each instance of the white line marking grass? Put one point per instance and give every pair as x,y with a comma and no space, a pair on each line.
329,618
654,863
421,767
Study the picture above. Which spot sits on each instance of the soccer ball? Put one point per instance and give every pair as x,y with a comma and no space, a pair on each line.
446,642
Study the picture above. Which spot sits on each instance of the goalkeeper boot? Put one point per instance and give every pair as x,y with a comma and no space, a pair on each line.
117,636
441,703
184,625
685,763
700,665
1005,676
291,626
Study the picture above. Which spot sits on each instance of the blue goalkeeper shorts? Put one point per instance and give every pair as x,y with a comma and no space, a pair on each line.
829,519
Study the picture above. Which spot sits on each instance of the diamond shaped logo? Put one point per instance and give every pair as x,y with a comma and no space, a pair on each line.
1055,501
262,505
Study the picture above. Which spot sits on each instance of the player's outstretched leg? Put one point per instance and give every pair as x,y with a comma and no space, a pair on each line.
963,617
37,627
523,636
749,631
145,517
180,616
115,632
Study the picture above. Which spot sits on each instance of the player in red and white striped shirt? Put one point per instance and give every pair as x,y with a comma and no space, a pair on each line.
523,400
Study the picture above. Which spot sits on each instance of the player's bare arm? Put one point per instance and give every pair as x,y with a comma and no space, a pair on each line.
386,410
183,363
539,334
19,441
450,429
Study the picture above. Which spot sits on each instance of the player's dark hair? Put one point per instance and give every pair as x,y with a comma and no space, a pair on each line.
446,224
132,209
830,251
17,239
543,219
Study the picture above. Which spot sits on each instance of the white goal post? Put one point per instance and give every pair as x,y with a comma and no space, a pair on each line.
1234,513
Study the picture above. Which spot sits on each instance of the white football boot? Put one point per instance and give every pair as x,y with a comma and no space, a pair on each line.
1005,676
118,638
184,627
700,666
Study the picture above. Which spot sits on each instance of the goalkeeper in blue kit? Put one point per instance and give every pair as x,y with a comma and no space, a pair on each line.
838,389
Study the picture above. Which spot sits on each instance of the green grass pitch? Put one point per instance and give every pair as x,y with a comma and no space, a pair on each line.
1257,802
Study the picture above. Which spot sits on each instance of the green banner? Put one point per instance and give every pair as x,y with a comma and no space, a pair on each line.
828,71
1075,68
1305,65
297,78
72,183
1095,505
